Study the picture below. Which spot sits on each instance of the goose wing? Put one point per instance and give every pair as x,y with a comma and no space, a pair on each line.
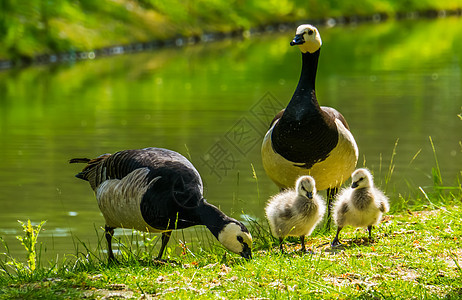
335,114
381,200
170,165
277,117
169,186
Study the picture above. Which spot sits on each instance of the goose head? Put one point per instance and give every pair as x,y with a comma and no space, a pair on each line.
361,178
236,238
306,186
307,38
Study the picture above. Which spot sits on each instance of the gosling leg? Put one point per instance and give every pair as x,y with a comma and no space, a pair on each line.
369,228
281,247
109,233
302,241
335,241
165,239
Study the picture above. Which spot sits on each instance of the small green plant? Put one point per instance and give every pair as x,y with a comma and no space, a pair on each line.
391,166
254,176
29,241
263,239
436,172
16,269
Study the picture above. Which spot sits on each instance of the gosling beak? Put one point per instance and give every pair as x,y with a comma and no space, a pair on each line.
309,195
354,185
247,252
298,40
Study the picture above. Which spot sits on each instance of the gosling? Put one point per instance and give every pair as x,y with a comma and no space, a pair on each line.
360,205
295,212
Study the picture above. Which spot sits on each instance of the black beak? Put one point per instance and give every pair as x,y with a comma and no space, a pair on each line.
298,40
309,195
247,252
354,185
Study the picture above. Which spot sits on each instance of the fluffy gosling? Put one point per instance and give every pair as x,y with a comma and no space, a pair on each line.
360,205
295,212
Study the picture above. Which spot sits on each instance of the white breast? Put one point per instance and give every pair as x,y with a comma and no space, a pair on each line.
361,218
119,200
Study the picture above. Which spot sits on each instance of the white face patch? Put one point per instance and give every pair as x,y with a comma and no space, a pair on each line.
228,237
363,178
311,37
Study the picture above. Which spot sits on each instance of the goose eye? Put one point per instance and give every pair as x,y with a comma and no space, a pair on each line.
310,32
240,239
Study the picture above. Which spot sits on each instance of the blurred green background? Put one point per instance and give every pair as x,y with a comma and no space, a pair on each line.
29,28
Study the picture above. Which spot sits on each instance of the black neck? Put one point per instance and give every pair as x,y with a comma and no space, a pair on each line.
298,134
309,69
304,100
213,218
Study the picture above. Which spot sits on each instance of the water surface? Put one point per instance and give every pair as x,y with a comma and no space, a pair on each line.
213,103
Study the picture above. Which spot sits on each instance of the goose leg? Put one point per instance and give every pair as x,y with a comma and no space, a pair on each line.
165,238
335,241
109,233
331,193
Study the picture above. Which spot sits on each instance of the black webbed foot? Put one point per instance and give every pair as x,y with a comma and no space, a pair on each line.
336,243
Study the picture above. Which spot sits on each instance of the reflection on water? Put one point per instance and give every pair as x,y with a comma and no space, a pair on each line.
212,103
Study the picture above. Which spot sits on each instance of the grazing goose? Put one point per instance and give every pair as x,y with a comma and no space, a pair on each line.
157,190
295,212
360,205
306,139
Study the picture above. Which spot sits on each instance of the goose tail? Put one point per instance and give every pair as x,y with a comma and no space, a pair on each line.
79,160
89,169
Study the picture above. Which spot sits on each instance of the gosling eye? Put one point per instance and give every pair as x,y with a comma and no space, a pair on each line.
240,239
310,32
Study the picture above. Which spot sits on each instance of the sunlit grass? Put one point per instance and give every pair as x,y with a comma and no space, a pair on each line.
416,252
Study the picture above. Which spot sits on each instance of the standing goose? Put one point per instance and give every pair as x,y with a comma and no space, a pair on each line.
295,212
157,190
305,138
360,205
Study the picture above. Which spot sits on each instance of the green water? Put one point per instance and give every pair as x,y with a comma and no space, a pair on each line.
213,102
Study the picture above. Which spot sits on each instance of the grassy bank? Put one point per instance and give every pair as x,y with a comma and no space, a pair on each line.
31,28
415,253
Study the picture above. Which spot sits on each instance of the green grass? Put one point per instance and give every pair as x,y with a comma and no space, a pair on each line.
414,254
